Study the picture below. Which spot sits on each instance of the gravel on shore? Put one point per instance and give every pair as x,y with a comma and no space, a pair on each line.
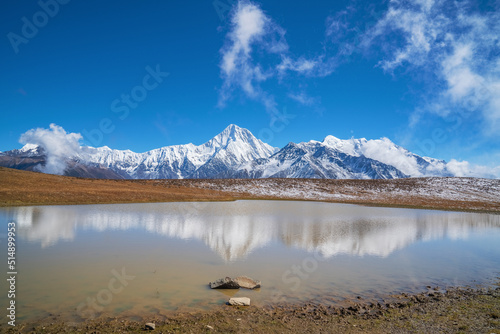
457,310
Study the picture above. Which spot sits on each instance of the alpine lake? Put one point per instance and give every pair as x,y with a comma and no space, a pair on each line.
131,260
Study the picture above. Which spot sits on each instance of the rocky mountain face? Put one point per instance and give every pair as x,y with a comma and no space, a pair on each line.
236,153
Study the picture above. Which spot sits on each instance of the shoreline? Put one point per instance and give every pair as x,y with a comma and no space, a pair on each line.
367,204
458,309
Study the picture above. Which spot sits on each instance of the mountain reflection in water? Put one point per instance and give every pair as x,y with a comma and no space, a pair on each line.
235,229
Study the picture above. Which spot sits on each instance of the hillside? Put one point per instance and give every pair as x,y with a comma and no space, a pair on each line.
31,188
19,187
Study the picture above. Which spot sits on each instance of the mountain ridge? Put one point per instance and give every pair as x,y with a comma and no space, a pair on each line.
237,153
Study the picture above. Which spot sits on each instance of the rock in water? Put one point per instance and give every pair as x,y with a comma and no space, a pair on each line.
241,301
247,282
224,283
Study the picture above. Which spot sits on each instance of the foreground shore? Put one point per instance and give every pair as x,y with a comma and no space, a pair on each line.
20,188
458,310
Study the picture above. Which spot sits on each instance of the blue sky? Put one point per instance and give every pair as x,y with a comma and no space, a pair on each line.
142,75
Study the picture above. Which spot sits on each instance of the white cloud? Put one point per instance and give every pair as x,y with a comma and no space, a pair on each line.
256,50
420,25
300,65
319,66
452,41
58,145
465,169
251,30
303,98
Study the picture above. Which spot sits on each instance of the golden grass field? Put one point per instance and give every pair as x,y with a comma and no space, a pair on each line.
18,188
30,188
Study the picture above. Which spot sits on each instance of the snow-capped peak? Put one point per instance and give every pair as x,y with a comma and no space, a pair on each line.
232,132
350,146
385,151
233,146
29,148
240,142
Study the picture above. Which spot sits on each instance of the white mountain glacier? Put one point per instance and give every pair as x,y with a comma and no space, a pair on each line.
236,153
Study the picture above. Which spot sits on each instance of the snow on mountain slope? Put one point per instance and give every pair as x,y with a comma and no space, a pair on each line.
317,160
236,153
28,150
385,151
231,147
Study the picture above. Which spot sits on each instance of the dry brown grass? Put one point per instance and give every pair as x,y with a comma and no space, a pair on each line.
30,188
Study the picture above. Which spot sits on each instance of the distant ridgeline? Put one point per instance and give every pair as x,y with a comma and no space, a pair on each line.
236,153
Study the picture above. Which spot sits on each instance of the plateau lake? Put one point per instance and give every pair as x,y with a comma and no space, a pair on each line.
134,260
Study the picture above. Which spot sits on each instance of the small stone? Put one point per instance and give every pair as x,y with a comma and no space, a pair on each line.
247,282
209,327
241,301
150,326
224,283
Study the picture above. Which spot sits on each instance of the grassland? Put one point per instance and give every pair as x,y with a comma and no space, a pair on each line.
30,188
19,188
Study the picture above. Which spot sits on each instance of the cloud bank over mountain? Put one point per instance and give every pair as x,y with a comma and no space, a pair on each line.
58,146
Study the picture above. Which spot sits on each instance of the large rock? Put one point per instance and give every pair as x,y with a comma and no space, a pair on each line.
247,282
224,283
241,301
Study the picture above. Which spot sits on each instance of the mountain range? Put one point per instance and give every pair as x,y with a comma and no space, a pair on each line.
237,153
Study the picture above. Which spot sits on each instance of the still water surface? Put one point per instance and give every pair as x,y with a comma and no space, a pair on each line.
137,259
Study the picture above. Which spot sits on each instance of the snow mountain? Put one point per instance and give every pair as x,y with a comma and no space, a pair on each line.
318,161
385,151
213,159
237,153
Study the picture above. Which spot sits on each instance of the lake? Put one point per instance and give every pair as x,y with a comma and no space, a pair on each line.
132,260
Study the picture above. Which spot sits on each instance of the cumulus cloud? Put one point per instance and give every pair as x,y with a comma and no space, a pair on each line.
465,169
59,146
